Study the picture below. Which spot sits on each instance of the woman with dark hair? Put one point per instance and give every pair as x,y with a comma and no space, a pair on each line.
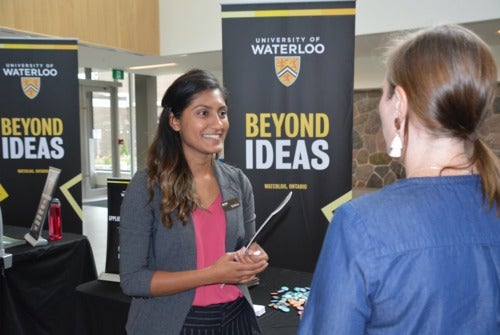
422,255
185,220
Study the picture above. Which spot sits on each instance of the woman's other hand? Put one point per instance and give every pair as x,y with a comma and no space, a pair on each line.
254,254
236,268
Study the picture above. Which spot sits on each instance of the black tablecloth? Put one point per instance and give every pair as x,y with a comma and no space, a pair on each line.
275,322
103,308
37,293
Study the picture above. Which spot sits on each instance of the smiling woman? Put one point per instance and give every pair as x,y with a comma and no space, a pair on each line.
203,125
178,242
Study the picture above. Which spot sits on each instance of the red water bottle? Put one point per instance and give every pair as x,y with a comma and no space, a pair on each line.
55,222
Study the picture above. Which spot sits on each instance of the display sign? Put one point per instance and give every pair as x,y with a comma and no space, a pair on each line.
116,192
289,69
34,235
39,127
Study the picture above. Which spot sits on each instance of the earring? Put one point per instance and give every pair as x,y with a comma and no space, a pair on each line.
396,146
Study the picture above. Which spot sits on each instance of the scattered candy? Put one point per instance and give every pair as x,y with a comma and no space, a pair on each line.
284,298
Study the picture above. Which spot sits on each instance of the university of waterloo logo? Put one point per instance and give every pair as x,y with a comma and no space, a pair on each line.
31,86
287,69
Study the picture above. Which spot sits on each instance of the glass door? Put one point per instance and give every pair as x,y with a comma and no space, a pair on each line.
100,138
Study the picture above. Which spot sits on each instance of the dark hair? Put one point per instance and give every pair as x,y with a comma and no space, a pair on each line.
167,166
450,78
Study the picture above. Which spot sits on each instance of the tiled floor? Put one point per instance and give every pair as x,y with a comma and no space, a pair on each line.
95,227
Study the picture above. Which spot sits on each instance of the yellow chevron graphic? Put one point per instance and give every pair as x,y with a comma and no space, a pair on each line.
65,190
328,209
3,193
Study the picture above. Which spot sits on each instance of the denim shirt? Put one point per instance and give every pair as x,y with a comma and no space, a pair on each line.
421,256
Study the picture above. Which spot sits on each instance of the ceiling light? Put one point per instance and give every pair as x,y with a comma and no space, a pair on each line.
154,66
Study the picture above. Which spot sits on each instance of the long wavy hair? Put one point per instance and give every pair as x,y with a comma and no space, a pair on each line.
167,167
450,78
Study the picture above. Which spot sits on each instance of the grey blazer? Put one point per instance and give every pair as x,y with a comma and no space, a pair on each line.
146,246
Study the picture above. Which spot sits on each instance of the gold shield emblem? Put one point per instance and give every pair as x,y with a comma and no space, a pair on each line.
287,69
31,86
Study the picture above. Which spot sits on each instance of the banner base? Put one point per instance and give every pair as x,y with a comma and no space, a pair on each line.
35,243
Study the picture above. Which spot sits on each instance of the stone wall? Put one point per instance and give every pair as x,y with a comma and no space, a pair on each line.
371,166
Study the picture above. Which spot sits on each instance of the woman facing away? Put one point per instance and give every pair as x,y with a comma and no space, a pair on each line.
422,255
183,217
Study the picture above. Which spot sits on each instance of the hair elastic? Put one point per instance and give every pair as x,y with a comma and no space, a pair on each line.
473,137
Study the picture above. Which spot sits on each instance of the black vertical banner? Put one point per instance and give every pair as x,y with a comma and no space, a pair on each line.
116,192
39,127
289,68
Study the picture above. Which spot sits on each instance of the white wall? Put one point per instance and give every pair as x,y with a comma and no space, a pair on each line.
374,18
194,26
391,15
190,26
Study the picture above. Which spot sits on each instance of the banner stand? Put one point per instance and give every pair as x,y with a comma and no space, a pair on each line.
116,192
40,127
297,57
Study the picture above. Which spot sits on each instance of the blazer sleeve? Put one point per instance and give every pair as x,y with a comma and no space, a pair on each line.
249,206
136,230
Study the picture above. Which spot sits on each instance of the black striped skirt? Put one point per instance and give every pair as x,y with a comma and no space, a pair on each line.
233,318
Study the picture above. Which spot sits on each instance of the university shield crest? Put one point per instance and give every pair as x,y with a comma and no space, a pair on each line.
287,69
31,86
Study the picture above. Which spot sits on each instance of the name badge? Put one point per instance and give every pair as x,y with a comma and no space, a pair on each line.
230,204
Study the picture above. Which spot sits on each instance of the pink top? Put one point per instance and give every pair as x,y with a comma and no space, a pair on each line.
210,231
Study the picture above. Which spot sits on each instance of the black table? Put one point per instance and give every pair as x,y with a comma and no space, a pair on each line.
275,322
104,308
37,294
